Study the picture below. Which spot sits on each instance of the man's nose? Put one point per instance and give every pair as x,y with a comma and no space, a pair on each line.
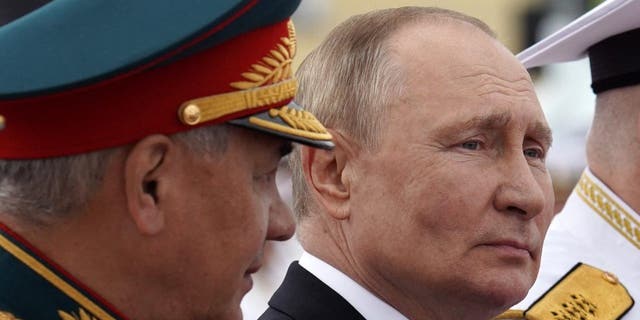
519,191
281,223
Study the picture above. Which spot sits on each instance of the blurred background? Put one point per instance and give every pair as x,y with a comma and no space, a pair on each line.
563,89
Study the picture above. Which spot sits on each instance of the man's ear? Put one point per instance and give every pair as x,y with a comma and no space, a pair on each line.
324,174
143,180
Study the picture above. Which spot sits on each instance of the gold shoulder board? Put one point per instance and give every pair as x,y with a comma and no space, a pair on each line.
584,293
7,316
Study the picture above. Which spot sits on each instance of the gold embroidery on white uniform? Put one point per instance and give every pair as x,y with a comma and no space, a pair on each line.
621,220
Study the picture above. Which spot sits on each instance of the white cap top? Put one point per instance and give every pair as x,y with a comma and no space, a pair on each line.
610,18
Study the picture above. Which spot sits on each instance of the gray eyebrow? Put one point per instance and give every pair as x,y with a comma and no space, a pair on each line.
540,131
490,121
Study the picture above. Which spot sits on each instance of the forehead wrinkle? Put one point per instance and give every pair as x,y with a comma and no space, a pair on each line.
485,81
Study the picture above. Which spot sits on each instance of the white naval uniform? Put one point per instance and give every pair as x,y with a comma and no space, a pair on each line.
595,227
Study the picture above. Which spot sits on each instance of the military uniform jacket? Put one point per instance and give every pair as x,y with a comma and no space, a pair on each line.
32,287
302,296
597,228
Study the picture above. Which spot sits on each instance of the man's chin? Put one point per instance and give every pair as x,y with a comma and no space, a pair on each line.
507,291
233,313
233,310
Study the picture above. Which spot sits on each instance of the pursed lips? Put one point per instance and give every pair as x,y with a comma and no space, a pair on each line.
512,243
254,267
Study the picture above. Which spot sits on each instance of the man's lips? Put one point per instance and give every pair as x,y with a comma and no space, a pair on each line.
511,246
254,268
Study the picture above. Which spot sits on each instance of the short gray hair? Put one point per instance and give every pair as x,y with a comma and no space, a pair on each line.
42,191
350,80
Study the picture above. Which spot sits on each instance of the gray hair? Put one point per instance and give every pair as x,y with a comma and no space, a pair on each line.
350,80
42,191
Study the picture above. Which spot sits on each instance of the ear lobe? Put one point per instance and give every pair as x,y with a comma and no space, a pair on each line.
143,177
324,174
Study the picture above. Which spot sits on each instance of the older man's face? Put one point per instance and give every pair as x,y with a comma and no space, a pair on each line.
229,206
456,201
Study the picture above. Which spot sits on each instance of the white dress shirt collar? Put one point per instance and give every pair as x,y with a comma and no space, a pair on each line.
366,303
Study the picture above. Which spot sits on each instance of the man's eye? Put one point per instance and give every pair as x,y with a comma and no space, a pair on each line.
471,145
534,153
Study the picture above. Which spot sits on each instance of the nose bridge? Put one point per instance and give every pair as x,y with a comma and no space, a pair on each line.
520,191
281,223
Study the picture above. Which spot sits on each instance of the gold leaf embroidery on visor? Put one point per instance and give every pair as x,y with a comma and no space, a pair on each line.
272,68
268,81
301,123
200,110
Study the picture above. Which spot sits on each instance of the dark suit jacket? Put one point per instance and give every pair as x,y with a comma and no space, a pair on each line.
302,296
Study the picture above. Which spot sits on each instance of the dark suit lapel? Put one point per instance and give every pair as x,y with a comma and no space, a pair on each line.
303,296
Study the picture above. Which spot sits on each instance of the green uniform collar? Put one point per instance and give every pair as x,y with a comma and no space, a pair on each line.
33,287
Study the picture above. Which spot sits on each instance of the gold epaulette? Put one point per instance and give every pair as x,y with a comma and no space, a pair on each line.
584,293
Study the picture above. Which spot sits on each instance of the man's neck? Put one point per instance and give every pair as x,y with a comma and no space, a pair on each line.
425,305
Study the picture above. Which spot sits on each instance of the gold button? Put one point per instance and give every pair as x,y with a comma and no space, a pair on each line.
191,114
274,113
2,122
610,277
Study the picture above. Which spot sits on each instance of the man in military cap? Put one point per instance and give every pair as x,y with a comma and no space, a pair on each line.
139,142
599,225
436,199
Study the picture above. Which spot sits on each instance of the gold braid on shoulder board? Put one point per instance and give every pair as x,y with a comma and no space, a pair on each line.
584,293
